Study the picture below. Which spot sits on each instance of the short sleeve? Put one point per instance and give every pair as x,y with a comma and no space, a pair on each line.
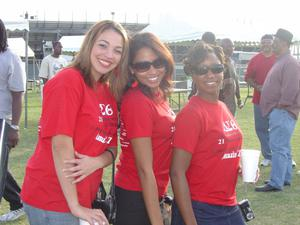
17,79
187,130
137,116
44,69
61,104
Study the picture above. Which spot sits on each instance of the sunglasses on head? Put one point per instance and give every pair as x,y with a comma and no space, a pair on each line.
145,65
214,68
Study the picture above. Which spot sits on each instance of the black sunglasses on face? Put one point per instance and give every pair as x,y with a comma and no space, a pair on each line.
145,65
214,68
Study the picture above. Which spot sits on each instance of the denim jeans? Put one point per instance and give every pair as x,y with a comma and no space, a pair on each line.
39,216
262,131
282,125
207,214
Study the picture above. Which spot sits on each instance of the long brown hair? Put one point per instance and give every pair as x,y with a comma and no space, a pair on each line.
149,40
118,77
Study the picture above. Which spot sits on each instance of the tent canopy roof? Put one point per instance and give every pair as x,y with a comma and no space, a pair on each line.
17,45
20,25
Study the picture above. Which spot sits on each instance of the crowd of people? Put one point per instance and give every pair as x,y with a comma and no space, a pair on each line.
121,82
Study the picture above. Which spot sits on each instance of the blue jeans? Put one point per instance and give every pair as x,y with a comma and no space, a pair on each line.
39,216
207,214
282,125
262,131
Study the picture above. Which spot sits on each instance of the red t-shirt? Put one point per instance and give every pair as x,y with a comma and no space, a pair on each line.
209,132
144,117
258,69
89,116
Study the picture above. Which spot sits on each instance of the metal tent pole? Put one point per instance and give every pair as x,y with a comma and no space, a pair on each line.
26,69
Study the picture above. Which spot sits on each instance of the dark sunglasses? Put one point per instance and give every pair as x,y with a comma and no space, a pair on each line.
145,66
214,68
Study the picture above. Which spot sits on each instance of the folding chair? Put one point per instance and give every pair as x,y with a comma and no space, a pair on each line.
249,94
4,150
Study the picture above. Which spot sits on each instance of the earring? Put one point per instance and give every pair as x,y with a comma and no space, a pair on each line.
132,81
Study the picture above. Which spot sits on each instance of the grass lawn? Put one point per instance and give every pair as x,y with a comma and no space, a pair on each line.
279,208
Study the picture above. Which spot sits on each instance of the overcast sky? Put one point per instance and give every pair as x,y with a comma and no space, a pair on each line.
172,19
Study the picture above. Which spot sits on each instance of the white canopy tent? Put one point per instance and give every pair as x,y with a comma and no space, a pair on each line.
17,46
23,27
19,25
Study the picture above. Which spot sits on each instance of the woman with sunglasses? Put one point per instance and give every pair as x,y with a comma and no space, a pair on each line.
146,132
207,145
78,123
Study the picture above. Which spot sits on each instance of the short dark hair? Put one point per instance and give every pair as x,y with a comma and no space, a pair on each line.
209,38
267,36
54,43
3,37
196,55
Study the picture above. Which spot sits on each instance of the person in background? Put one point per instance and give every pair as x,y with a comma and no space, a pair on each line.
257,70
280,101
147,128
52,63
77,125
209,38
231,87
207,146
12,87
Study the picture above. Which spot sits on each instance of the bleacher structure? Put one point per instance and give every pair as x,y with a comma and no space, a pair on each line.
41,31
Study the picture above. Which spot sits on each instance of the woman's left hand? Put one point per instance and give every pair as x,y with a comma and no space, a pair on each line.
80,167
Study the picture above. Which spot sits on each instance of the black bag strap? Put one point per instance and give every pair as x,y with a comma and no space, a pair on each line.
112,187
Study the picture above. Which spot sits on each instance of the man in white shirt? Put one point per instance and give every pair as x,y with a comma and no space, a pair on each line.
12,87
51,64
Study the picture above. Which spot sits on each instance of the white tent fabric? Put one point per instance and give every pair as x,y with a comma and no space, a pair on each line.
17,46
71,43
17,25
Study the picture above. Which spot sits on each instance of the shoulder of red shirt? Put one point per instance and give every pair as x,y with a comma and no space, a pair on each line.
68,76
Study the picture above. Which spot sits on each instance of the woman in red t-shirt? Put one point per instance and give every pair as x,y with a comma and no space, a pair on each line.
78,123
146,133
207,146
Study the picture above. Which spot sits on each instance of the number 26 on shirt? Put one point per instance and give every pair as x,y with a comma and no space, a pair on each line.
106,110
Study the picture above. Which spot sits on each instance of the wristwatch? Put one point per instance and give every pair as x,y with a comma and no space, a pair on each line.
15,127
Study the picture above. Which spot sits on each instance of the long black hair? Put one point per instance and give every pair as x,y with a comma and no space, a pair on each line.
3,37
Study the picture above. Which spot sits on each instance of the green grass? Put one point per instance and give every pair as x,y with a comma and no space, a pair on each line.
280,208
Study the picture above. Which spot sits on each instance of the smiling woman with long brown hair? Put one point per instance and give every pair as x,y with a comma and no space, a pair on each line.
79,118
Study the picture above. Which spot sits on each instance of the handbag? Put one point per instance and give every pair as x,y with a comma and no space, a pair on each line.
107,201
166,209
